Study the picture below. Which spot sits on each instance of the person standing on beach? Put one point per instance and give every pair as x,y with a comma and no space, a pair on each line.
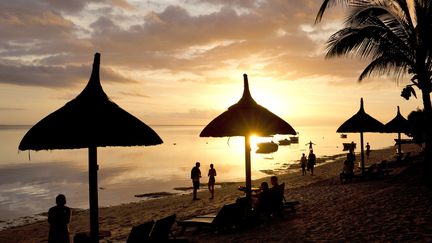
303,162
58,218
311,161
367,150
212,180
195,176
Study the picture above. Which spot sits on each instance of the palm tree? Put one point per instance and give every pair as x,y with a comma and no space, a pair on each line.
396,36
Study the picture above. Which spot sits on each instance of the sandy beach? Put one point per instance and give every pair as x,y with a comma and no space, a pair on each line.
394,208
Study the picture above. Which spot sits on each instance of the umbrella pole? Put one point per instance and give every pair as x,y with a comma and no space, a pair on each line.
362,154
248,168
93,195
399,146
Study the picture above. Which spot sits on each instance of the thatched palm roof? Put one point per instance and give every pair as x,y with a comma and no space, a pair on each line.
246,117
91,119
397,124
361,122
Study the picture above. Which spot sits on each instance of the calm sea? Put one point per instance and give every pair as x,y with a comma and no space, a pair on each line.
29,181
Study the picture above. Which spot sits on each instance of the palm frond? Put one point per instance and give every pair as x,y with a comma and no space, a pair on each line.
402,8
361,41
385,65
327,4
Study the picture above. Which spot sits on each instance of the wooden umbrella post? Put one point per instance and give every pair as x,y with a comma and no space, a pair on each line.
362,154
93,195
248,168
399,153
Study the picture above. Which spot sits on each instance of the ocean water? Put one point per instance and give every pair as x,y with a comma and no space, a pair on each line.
29,180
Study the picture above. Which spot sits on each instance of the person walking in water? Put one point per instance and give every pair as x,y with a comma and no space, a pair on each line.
310,145
303,162
195,176
311,161
58,218
212,180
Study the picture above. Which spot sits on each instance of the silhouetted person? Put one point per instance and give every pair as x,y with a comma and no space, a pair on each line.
367,150
59,218
311,161
303,162
351,158
352,145
195,176
348,168
262,204
212,180
310,145
276,195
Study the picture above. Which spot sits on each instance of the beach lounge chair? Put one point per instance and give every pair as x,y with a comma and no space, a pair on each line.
162,229
290,205
155,231
227,217
140,233
404,159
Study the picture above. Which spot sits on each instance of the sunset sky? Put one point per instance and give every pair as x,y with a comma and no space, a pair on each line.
181,62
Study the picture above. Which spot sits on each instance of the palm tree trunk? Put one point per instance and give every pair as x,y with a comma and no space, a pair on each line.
427,164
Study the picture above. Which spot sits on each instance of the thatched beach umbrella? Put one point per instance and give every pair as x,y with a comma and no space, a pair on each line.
90,120
397,125
245,118
361,122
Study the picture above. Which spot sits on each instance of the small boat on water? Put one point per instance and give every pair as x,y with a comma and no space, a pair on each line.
284,142
267,147
347,146
294,139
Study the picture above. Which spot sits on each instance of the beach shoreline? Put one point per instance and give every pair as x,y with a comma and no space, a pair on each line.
285,168
119,219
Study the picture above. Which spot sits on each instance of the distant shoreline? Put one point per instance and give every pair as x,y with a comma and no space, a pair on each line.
158,125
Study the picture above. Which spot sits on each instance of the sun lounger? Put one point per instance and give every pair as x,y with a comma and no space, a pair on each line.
154,231
162,229
140,233
287,204
403,159
210,215
227,217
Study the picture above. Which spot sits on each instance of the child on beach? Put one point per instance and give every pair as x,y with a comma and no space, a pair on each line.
195,176
212,180
58,219
303,162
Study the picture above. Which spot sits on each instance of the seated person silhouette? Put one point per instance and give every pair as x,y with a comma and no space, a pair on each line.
276,195
348,168
262,202
59,218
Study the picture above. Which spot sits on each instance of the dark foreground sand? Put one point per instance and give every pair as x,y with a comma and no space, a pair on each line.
397,208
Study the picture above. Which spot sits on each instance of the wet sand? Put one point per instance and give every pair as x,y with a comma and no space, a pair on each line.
395,208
